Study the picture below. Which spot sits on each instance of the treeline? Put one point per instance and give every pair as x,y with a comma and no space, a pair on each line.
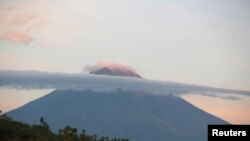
18,131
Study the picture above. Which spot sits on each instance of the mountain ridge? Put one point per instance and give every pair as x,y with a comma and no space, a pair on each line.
115,72
133,115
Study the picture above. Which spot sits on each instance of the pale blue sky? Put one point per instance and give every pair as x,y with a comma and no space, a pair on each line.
196,41
204,42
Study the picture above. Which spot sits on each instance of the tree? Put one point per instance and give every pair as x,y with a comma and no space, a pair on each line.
17,131
43,123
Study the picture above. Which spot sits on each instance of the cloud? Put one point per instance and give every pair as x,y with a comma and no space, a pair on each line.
20,13
45,80
221,96
21,18
17,37
110,65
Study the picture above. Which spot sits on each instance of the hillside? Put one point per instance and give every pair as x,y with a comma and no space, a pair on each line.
133,115
18,131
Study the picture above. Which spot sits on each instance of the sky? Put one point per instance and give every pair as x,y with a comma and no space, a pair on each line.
204,42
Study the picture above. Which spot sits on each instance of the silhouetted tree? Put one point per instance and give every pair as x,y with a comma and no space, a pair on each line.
17,131
43,123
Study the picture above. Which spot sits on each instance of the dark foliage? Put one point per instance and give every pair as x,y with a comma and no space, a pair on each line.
17,131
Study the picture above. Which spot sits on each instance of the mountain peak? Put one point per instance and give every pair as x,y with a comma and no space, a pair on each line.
112,69
115,72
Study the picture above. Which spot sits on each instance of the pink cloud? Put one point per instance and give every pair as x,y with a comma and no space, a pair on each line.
17,37
22,19
9,8
18,14
110,65
114,69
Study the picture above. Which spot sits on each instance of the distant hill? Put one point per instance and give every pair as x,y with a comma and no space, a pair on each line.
133,115
115,72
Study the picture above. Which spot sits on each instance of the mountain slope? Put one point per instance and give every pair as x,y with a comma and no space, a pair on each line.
115,72
137,116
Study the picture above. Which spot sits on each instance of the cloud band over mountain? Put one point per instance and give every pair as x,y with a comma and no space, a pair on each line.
45,80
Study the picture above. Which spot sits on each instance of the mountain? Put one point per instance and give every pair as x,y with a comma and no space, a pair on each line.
115,72
135,115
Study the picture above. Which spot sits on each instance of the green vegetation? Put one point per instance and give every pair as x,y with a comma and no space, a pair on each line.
17,131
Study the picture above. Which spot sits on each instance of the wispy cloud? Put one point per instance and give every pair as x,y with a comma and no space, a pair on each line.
22,19
24,22
228,97
45,80
17,37
111,65
40,19
18,21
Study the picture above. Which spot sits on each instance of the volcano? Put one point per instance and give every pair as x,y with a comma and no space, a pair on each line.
138,116
115,72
